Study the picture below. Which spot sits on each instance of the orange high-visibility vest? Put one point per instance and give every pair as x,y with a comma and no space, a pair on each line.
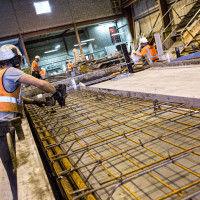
151,50
116,53
43,73
34,66
10,101
69,67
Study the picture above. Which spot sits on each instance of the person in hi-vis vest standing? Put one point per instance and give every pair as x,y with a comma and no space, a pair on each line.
11,105
35,69
68,68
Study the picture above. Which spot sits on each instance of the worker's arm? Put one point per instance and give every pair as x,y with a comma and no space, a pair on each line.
137,53
43,85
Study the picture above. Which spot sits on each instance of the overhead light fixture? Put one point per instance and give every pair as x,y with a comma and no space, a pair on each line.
106,25
117,34
51,51
88,40
42,7
84,42
76,45
57,47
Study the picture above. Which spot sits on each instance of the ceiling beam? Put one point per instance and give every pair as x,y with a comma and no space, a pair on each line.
59,28
46,31
63,34
127,3
94,21
163,7
51,37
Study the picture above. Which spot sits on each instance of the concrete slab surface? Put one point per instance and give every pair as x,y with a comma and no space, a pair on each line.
32,180
177,81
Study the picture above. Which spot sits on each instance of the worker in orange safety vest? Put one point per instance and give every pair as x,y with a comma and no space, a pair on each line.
43,74
11,105
116,53
35,70
147,49
69,67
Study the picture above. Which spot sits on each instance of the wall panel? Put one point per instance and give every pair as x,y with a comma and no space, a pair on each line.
63,12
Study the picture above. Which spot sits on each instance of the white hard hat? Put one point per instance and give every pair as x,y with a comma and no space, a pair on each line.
37,57
9,51
143,40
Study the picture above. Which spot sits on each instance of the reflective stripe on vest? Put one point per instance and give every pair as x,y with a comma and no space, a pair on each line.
69,68
43,73
10,101
150,53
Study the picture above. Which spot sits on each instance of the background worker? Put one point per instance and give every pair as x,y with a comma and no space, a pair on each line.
71,64
68,67
116,53
35,70
147,49
11,103
43,73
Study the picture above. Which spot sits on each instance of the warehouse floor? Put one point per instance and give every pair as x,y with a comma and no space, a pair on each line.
32,180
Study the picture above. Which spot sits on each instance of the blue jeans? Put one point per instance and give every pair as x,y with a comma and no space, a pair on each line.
6,158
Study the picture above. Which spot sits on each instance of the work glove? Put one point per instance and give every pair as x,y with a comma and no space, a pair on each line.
40,103
134,52
60,98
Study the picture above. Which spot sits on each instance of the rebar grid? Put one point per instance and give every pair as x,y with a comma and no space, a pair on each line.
123,148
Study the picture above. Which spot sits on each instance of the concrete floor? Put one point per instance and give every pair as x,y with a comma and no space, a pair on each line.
32,180
180,81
